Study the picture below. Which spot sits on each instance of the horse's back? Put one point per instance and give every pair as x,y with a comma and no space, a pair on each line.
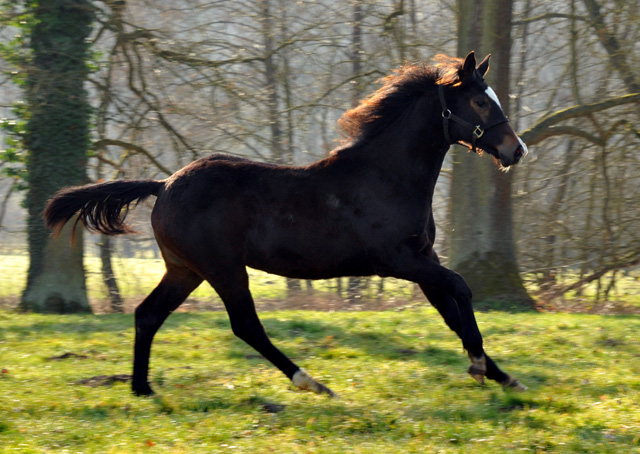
325,220
282,219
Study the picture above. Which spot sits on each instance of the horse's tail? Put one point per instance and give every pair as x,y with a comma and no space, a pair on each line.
101,207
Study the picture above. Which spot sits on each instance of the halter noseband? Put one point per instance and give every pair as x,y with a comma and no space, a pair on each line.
476,131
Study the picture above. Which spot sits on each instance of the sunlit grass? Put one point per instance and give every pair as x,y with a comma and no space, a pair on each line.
400,376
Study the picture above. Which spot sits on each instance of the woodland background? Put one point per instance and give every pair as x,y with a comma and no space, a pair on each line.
171,81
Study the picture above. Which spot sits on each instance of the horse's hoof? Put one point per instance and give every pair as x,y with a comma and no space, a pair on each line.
478,377
477,372
513,385
303,381
325,390
143,390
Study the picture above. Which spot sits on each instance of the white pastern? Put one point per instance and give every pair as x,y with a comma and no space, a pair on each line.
303,381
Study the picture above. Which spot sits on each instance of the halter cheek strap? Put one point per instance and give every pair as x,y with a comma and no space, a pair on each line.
476,131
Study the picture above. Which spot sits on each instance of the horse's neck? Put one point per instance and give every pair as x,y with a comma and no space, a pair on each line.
415,160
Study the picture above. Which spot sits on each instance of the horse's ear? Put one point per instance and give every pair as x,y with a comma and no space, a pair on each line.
468,67
483,67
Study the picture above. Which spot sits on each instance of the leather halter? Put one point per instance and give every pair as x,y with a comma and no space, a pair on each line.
476,131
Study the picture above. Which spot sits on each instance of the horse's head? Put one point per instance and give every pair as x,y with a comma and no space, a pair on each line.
472,115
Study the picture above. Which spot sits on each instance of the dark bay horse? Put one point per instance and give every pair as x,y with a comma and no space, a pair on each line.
363,210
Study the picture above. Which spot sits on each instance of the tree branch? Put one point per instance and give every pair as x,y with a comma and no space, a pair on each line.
138,149
546,16
610,42
631,260
544,127
553,131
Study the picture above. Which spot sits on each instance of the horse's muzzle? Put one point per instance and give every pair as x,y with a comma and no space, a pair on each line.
520,152
518,155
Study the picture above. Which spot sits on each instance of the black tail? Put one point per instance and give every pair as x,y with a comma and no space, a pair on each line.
102,207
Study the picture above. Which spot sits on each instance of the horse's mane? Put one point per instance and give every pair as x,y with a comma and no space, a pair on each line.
398,92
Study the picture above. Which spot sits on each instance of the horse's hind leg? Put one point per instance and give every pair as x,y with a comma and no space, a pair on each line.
172,290
460,318
233,289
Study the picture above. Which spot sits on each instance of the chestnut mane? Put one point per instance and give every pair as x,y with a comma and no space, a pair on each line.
398,92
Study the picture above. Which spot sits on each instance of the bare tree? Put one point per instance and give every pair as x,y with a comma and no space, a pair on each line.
575,216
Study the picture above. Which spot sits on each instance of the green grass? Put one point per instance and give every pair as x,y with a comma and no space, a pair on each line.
400,375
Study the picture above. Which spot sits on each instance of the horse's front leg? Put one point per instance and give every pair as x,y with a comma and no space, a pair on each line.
459,316
450,294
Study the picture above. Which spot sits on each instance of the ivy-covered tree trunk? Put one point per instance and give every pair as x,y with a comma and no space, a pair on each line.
57,138
482,245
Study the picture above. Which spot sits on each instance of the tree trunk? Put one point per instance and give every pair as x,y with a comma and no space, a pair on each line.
355,283
57,138
482,246
108,276
270,75
273,102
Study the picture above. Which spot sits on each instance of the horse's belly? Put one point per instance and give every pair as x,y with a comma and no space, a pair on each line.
304,272
309,260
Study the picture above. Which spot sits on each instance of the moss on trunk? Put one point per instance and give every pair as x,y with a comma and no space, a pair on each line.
57,139
495,282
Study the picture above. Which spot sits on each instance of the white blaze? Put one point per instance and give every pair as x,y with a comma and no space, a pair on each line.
525,150
492,94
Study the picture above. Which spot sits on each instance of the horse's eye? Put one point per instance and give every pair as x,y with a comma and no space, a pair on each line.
482,103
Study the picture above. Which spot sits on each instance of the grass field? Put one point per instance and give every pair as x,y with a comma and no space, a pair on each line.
400,376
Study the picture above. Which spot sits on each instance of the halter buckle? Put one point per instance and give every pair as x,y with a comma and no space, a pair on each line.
478,132
446,114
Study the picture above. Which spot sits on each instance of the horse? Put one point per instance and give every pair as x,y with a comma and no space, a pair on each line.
363,210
